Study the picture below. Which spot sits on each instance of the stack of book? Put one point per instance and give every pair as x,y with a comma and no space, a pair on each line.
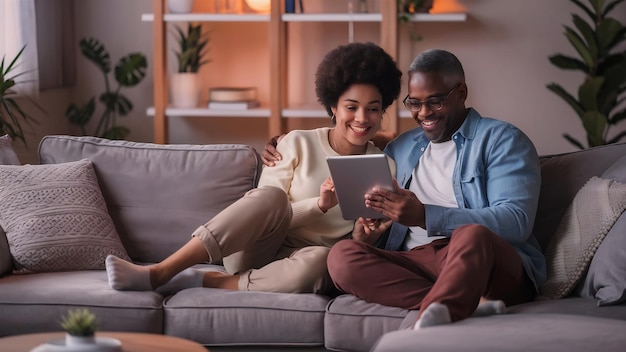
229,98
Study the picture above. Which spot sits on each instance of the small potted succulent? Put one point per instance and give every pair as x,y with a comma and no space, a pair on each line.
80,326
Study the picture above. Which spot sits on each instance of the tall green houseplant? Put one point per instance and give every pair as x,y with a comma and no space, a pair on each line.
128,72
599,103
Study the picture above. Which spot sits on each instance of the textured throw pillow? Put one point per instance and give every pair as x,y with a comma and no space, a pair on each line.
55,217
606,278
594,210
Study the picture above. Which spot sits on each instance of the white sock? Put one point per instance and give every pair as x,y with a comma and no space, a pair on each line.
434,314
187,278
490,308
126,276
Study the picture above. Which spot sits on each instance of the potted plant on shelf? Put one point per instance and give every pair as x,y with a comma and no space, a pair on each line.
11,113
80,326
186,83
599,104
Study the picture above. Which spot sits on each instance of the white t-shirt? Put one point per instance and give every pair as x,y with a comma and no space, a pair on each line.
432,184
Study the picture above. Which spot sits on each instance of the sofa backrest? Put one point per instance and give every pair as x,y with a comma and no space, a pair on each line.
562,175
158,194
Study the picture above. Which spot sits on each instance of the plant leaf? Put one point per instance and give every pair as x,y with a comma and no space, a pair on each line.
608,34
573,141
588,93
131,69
594,123
556,88
579,45
80,116
116,103
585,9
588,34
95,51
568,63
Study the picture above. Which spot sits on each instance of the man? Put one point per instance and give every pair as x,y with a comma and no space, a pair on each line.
462,214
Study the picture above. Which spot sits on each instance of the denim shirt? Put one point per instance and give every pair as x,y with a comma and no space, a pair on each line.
496,182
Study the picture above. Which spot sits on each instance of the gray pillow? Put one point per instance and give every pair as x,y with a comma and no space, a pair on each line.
594,210
7,157
606,278
55,217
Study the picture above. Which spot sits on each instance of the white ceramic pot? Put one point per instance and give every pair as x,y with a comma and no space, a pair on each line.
180,6
185,90
71,340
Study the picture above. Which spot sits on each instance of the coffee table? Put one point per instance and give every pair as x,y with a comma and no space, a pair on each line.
131,342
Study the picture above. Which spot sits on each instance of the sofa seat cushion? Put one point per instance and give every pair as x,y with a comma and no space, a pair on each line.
352,324
512,332
571,305
35,303
224,317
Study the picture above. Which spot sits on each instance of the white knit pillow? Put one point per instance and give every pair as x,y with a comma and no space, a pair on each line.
55,217
594,210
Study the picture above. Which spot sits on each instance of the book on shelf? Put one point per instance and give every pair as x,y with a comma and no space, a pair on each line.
233,105
232,94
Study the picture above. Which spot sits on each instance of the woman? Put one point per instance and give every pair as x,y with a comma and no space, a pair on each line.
276,238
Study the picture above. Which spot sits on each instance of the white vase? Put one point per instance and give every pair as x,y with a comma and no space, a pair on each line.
180,6
71,340
185,89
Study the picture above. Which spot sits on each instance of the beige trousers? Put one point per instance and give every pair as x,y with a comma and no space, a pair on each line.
249,236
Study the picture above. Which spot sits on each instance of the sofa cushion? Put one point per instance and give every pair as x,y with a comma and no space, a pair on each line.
594,210
351,324
606,278
158,194
512,332
225,317
7,157
35,303
570,305
55,217
562,175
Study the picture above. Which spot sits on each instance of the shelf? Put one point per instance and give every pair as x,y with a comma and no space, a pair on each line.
332,17
306,113
303,17
439,17
208,17
264,113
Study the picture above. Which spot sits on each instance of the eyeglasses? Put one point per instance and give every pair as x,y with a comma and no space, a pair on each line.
434,104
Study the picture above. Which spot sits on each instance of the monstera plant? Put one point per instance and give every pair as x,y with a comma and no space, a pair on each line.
599,103
128,72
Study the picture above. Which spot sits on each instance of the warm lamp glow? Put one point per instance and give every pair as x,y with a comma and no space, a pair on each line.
260,5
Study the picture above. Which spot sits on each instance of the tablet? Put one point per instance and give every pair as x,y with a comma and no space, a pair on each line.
355,175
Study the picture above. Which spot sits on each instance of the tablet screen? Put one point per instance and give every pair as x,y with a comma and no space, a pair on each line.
355,175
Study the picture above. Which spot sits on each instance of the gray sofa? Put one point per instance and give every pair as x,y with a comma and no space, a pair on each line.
156,195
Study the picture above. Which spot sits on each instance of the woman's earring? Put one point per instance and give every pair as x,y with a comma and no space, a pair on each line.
333,119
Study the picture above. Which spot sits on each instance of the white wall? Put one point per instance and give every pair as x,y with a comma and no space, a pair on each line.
504,47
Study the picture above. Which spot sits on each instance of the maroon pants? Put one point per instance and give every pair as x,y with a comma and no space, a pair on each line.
473,263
